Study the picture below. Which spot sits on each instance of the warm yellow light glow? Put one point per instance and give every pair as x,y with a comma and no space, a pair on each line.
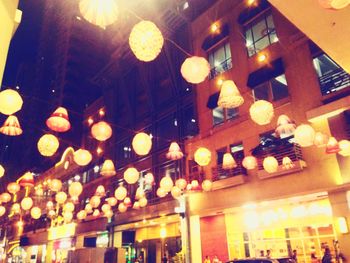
181,183
48,145
122,208
11,127
13,188
262,57
59,121
332,145
287,163
207,185
202,156
321,139
149,178
228,162
163,233
95,201
270,164
285,127
214,27
146,41
219,82
101,13
161,192
5,198
2,171
26,203
250,2
304,135
261,112
10,102
342,225
120,193
2,211
90,121
82,157
143,202
101,112
249,162
335,4
81,215
55,185
142,143
230,97
100,191
108,168
344,146
131,175
35,212
61,197
166,183
99,150
101,131
112,201
176,192
174,152
195,69
75,189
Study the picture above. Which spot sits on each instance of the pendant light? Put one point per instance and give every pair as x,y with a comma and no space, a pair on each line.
195,69
11,126
101,13
10,102
230,97
59,121
261,112
174,153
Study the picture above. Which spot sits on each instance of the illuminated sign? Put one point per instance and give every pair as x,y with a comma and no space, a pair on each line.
63,231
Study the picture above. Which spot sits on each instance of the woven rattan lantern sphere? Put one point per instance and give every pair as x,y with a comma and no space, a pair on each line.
11,127
143,202
101,131
112,201
101,13
195,69
75,189
304,135
55,185
249,162
81,215
105,208
142,143
82,157
59,121
146,41
270,164
181,183
228,162
207,185
261,112
5,198
2,210
61,197
120,193
149,178
230,97
35,212
174,153
176,192
131,175
122,208
166,183
202,156
285,126
10,102
161,192
95,201
13,188
26,203
68,207
108,169
48,145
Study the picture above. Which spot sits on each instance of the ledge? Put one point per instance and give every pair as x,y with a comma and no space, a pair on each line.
299,166
229,182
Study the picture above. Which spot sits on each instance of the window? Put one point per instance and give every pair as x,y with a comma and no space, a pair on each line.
272,90
260,34
221,115
331,76
220,60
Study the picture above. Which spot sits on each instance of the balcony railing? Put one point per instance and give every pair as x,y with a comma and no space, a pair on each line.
219,173
334,81
222,67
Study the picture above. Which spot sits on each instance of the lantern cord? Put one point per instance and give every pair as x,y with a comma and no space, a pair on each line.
134,14
180,48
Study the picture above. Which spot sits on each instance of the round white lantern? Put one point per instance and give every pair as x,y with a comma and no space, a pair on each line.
120,193
55,185
48,145
95,201
68,207
261,112
26,203
249,162
166,183
142,143
131,175
35,212
304,135
100,13
143,202
270,164
67,216
230,97
61,197
105,208
96,213
344,146
122,208
75,189
176,192
82,157
207,185
10,102
112,201
181,183
202,156
161,192
195,69
81,215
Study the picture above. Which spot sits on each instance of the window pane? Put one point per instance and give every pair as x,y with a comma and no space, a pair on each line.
232,113
324,65
270,24
262,43
227,51
220,59
259,30
279,87
262,92
220,155
218,116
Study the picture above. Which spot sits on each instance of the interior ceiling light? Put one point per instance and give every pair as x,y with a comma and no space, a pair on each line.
101,13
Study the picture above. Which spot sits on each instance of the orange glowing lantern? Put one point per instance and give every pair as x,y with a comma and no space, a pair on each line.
59,121
230,97
101,131
174,152
16,208
131,175
142,143
108,169
120,193
344,146
81,215
149,178
176,192
161,192
194,185
228,162
261,112
100,13
35,212
88,208
100,191
2,171
304,135
2,211
27,180
105,208
207,185
11,127
48,145
108,214
122,208
249,162
127,201
270,164
181,183
136,205
13,188
55,185
96,213
321,139
166,183
285,126
139,193
5,198
287,163
75,189
26,203
95,201
143,202
332,146
112,201
202,156
10,102
61,197
82,157
195,69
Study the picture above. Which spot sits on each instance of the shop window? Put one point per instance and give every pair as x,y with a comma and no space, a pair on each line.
273,90
331,77
221,115
260,33
220,60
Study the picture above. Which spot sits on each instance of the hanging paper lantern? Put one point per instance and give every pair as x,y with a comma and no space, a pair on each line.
101,131
13,188
96,213
81,215
304,135
230,97
120,193
161,192
108,214
51,213
336,4
270,164
287,163
146,41
194,185
143,202
131,175
100,191
75,189
105,208
49,205
249,162
228,162
261,112
27,180
11,127
344,146
202,156
139,193
95,201
61,197
195,69
136,205
142,143
39,191
166,183
67,216
100,13
2,211
176,192
35,212
59,121
26,203
332,146
112,201
55,185
5,198
82,157
127,201
48,145
16,208
149,178
10,102
321,139
68,207
108,169
88,208
285,127
122,208
2,171
174,152
181,183
207,185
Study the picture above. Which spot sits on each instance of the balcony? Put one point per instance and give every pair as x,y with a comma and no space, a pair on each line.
220,68
333,81
228,178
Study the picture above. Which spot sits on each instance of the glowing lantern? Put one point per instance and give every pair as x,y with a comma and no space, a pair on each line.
136,205
105,208
287,163
336,4
139,193
195,69
26,203
249,162
344,146
181,183
27,180
13,188
176,192
143,202
270,164
149,178
95,201
161,192
59,121
108,169
2,211
131,175
99,13
82,157
48,145
88,208
16,208
55,185
68,207
146,41
166,183
228,162
5,198
61,197
202,156
321,139
2,171
285,127
10,102
11,127
96,213
35,212
127,201
304,135
101,131
39,191
112,201
120,193
174,152
332,146
122,208
207,185
194,185
51,213
49,205
261,112
81,215
142,143
108,214
75,189
100,191
67,216
230,97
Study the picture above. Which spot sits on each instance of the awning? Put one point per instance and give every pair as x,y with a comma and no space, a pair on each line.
213,100
266,73
251,12
215,38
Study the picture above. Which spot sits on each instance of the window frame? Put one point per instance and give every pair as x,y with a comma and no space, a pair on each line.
271,97
225,114
226,65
